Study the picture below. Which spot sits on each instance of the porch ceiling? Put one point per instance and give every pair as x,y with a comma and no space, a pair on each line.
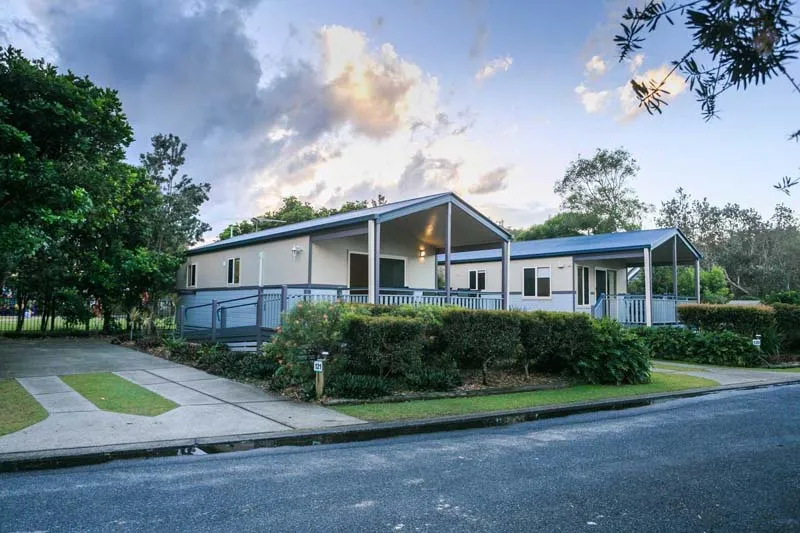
430,226
661,255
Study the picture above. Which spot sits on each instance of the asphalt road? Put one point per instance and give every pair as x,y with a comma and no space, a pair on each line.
727,462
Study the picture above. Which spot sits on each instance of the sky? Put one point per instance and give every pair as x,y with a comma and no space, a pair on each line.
339,100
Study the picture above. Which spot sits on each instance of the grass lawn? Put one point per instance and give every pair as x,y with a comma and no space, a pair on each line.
110,392
18,409
381,412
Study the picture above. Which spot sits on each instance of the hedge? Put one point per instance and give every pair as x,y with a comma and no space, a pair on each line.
743,320
723,348
375,349
787,318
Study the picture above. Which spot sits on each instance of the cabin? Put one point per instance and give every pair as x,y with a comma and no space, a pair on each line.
433,250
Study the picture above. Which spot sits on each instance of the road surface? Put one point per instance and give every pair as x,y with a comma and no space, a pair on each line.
726,462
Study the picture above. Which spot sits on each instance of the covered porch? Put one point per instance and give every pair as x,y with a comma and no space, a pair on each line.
649,309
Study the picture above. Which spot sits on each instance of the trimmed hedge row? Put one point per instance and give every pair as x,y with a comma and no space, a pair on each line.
787,320
375,349
709,347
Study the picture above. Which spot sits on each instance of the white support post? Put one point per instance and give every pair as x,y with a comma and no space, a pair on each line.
447,248
371,274
260,269
675,267
697,280
505,285
648,289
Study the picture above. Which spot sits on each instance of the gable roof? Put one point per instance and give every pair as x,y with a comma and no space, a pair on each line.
582,244
379,213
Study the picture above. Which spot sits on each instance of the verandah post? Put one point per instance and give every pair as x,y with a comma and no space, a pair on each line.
504,282
648,288
447,248
213,320
697,280
259,317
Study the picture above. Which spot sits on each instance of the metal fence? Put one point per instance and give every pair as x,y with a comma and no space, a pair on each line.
29,317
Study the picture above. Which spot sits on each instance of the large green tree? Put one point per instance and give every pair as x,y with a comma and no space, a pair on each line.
734,44
294,210
600,186
59,135
568,224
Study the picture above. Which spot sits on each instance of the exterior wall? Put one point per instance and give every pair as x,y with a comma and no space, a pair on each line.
563,281
280,265
330,266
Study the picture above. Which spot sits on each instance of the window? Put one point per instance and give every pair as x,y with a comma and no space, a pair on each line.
583,285
393,273
536,282
477,280
233,271
191,275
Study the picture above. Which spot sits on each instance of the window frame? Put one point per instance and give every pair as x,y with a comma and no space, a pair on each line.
536,296
478,273
587,286
350,253
233,276
191,275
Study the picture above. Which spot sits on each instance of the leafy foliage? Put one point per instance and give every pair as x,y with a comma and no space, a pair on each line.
553,341
600,187
616,356
744,43
567,224
294,210
748,321
787,319
724,348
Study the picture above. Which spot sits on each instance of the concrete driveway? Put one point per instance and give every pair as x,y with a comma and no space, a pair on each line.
209,406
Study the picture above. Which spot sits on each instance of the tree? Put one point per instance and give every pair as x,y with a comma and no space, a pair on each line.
58,134
176,224
293,210
735,44
600,187
568,224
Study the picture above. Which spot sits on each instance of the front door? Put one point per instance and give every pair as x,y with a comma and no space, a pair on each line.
601,282
359,273
392,273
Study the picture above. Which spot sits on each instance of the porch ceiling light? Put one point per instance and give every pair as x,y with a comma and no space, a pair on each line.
422,252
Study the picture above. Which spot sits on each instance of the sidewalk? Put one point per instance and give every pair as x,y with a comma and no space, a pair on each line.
726,375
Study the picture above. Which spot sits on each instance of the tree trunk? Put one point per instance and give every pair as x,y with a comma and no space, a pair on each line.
485,370
21,304
43,319
53,313
107,319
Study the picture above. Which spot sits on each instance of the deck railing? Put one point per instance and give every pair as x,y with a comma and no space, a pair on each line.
253,315
630,308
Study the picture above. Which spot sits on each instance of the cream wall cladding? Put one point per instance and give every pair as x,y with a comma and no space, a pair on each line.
330,260
560,273
284,262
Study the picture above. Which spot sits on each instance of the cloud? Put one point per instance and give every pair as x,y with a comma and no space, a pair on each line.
593,102
479,42
635,62
595,66
673,86
376,92
493,181
493,67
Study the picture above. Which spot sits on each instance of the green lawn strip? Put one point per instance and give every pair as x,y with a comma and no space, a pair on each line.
381,412
18,409
110,392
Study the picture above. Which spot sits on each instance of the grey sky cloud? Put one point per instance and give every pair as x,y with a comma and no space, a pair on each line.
493,181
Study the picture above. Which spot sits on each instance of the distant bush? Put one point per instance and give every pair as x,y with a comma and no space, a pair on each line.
743,320
723,348
783,297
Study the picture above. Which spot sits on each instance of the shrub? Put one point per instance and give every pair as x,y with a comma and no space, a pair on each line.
787,318
434,379
345,385
384,345
744,320
551,341
708,347
617,356
783,297
475,339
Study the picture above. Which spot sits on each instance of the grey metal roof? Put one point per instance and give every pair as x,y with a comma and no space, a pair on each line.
389,211
583,244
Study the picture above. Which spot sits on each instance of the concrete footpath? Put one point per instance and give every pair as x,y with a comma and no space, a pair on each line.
208,406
